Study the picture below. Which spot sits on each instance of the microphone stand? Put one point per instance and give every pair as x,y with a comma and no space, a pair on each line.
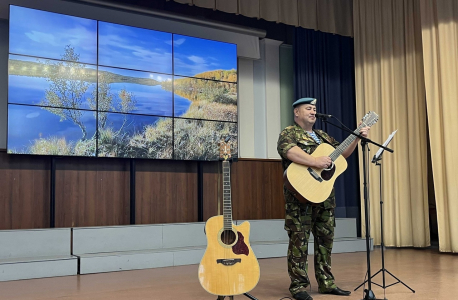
377,161
368,293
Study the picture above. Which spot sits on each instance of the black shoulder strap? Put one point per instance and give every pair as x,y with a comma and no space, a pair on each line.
323,138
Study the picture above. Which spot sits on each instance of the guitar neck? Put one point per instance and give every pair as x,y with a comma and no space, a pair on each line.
227,205
345,144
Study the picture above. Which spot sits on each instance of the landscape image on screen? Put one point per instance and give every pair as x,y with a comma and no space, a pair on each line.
89,88
198,139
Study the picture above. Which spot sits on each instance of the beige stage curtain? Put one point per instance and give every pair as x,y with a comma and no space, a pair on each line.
439,20
333,16
390,81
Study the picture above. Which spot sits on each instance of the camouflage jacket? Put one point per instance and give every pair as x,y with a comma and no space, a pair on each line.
296,136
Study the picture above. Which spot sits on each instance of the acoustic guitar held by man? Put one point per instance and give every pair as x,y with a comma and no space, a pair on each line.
296,144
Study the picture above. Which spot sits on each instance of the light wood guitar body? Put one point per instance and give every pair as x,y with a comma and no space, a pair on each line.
223,272
314,185
229,266
316,189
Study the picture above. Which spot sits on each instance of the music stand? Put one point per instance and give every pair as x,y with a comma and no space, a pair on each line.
377,160
378,155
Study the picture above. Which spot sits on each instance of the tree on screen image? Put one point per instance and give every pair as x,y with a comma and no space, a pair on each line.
67,87
69,81
103,100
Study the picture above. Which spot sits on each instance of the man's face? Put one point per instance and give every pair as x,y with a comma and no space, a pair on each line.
306,113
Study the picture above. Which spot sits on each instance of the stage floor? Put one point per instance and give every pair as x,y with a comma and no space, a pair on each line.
432,275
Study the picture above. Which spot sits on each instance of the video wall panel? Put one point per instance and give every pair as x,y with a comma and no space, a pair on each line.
83,87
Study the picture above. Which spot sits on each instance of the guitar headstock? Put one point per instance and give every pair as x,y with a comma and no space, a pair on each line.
224,150
369,119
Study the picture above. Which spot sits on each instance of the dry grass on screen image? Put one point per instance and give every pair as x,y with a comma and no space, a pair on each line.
211,100
198,140
153,141
58,146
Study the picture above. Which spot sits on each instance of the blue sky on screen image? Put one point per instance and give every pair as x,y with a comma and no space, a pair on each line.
45,34
135,48
27,124
194,55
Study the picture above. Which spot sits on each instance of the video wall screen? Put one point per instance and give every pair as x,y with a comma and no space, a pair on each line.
83,87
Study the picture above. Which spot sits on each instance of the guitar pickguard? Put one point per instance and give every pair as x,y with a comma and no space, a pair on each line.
240,247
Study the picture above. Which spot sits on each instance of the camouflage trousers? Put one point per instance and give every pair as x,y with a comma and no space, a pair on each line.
301,219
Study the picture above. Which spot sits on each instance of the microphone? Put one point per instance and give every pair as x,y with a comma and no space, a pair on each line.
322,116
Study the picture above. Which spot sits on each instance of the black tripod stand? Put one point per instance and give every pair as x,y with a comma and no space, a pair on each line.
369,119
377,160
232,297
369,294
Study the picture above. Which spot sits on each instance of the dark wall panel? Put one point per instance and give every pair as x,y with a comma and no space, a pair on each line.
96,192
24,191
92,192
211,193
166,192
257,190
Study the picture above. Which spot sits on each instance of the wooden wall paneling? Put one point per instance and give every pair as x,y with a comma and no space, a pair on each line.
95,192
166,192
113,190
92,192
263,196
244,189
211,194
276,191
24,191
257,190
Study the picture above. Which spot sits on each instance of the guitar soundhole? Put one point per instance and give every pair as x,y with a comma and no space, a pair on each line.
228,237
327,174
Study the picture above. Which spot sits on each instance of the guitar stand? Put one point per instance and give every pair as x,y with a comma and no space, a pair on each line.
232,297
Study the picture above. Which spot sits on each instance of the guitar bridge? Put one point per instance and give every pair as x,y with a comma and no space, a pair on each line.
228,262
314,174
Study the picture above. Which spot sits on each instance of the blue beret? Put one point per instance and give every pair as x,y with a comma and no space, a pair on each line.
305,101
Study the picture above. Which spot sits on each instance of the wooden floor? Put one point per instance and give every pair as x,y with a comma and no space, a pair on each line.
431,274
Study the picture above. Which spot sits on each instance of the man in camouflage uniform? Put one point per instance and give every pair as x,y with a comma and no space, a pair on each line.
295,144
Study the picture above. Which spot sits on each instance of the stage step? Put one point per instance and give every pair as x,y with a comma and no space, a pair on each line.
40,253
118,248
134,260
36,253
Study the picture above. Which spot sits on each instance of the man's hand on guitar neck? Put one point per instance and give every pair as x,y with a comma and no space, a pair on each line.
364,132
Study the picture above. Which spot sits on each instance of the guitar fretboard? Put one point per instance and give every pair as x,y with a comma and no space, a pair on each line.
227,206
341,148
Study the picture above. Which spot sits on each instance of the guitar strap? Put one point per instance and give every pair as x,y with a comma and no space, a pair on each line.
322,137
